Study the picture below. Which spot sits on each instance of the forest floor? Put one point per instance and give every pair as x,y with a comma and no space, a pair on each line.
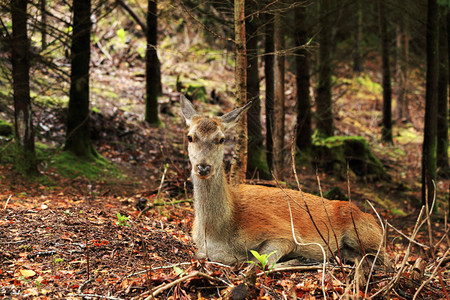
73,238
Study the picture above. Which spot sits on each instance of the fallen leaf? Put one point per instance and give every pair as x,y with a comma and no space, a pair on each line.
27,273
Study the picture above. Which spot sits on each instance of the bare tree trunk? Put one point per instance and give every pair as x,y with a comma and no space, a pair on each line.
401,73
43,24
304,129
443,98
278,116
78,139
256,163
153,76
324,111
239,165
430,135
23,127
386,130
269,57
357,59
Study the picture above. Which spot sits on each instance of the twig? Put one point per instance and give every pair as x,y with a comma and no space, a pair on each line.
83,285
406,237
204,26
432,275
395,279
158,268
7,201
98,296
351,213
443,285
288,198
166,286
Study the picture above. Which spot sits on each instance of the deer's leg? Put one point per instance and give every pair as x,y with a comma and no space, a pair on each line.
282,247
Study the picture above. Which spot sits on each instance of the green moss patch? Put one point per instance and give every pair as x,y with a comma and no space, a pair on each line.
71,166
333,153
6,129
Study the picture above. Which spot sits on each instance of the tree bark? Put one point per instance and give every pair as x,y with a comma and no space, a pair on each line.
256,163
430,135
443,98
23,127
78,134
304,129
324,111
357,59
269,58
43,9
386,130
239,165
402,41
153,75
279,98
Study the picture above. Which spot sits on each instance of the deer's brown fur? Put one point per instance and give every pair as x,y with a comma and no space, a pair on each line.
231,220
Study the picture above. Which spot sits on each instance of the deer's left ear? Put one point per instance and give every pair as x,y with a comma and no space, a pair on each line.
231,118
187,109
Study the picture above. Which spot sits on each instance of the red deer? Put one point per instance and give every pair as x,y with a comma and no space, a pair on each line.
232,220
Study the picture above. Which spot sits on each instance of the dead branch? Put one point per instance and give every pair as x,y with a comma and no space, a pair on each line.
166,286
432,274
134,15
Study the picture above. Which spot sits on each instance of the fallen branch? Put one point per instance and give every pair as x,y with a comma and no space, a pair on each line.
98,296
166,286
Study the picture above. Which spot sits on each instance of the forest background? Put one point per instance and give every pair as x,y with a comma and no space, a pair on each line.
352,93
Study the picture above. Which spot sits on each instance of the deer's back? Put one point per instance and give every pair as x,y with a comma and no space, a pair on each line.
264,213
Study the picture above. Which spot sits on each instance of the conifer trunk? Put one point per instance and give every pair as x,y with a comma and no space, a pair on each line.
430,135
23,125
239,165
78,139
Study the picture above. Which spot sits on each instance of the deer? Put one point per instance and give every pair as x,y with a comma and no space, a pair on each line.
229,221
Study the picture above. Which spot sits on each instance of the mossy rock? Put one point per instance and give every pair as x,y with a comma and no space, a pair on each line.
6,129
333,153
335,194
195,91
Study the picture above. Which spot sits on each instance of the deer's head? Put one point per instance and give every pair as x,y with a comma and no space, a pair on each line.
206,136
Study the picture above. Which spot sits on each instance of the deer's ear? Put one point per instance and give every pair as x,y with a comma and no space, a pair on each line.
187,109
231,118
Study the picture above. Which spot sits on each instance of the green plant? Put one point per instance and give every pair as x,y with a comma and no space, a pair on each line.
58,260
262,261
122,220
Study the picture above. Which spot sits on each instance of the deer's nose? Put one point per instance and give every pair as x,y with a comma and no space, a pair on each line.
203,169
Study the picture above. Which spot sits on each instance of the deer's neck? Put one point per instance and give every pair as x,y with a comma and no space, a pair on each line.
213,203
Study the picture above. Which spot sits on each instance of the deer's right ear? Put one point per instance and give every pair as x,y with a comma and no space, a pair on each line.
187,109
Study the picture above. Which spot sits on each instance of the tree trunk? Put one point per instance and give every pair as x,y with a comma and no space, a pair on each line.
402,41
23,127
304,129
357,59
78,135
43,24
239,165
257,163
324,111
269,57
386,130
430,135
278,113
443,98
153,76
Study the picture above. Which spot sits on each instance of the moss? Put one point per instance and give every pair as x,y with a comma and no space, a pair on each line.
333,153
6,129
257,164
93,168
335,194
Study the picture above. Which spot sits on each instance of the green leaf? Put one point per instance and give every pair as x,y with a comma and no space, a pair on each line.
178,271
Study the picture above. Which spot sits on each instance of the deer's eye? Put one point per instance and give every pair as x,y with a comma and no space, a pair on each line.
221,140
189,138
